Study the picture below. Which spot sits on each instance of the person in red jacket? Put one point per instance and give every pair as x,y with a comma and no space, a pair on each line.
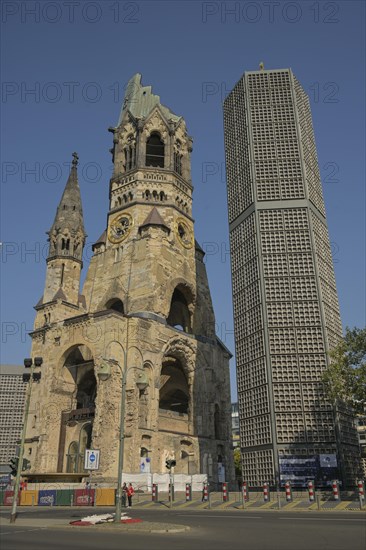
130,493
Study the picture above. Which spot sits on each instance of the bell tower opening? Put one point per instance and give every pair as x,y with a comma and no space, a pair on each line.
174,390
179,315
155,151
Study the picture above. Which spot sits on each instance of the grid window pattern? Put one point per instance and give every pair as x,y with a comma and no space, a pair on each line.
12,396
290,428
256,430
314,397
258,467
320,426
238,172
287,397
254,402
251,374
306,313
282,340
312,366
285,368
285,301
280,313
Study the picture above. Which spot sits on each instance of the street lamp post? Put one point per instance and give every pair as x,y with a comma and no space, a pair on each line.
28,363
141,383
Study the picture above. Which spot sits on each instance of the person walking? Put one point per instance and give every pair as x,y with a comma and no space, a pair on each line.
124,495
130,493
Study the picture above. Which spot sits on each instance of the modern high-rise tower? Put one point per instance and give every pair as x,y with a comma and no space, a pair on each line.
286,311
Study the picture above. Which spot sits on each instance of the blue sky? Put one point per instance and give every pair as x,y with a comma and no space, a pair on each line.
77,58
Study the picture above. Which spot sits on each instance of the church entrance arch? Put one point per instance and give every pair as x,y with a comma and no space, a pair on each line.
77,421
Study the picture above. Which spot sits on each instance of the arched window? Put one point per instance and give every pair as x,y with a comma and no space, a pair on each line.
144,452
130,155
154,151
174,389
115,304
179,316
178,162
65,244
72,458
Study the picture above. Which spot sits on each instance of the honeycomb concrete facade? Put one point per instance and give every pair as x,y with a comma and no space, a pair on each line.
145,306
12,398
286,308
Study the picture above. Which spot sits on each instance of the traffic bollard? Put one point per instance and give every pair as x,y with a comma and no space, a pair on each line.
288,491
188,491
311,491
154,492
335,489
361,492
225,495
244,493
318,499
266,495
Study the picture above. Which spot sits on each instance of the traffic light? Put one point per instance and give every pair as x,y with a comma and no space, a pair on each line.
170,463
14,465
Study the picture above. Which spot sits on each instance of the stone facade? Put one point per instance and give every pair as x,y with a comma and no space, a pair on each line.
145,307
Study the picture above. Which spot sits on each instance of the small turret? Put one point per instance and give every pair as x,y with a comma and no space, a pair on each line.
67,234
67,238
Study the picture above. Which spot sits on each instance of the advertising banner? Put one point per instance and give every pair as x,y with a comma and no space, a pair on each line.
300,469
47,497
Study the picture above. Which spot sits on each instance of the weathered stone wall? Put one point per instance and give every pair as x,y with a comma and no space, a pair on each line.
143,268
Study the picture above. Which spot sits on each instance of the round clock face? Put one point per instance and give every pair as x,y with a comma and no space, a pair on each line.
184,233
119,228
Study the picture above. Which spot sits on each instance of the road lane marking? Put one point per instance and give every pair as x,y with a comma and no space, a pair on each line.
23,531
220,516
325,519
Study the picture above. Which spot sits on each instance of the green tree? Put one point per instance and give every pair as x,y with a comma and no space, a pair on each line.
237,462
345,378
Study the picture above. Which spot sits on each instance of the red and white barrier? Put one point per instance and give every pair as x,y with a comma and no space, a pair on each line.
361,489
244,489
311,491
224,492
188,492
205,492
335,489
288,491
265,492
154,492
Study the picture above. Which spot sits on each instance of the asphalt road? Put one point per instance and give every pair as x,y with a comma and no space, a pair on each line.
210,530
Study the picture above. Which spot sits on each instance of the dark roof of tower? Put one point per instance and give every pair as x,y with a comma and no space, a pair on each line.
60,295
154,218
102,239
69,212
140,101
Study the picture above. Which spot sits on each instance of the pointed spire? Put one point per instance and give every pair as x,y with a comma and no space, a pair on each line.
67,234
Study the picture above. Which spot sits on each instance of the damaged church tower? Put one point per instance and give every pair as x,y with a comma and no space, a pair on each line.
145,306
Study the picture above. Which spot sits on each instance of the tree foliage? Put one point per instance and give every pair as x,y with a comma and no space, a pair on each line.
345,378
237,462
